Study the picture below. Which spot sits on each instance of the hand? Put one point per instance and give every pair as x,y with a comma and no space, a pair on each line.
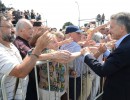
42,29
65,41
85,50
93,49
34,39
102,48
73,73
110,44
68,40
89,43
82,43
61,56
73,56
43,41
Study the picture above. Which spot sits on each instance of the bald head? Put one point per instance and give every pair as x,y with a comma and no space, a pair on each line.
24,29
22,24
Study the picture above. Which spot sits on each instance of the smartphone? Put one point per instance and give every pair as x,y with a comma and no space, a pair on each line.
37,23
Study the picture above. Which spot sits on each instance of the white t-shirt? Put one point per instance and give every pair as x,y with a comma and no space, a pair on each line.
9,58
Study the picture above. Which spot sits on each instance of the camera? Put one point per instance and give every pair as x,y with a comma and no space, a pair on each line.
37,23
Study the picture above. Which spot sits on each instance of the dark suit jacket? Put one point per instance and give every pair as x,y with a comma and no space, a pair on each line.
116,69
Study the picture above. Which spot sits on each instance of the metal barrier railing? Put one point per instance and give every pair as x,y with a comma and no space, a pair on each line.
3,95
40,62
3,90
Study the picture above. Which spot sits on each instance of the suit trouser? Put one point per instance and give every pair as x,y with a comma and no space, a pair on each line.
71,87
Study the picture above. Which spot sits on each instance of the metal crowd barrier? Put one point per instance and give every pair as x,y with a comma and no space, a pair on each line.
3,95
36,77
42,62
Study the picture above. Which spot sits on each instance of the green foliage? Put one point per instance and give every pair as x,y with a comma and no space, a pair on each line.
86,24
66,24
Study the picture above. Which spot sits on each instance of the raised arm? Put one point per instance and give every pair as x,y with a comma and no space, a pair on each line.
29,62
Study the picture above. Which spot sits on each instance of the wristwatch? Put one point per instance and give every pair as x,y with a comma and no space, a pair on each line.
30,53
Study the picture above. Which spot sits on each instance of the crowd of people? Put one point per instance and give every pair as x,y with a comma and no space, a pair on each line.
100,19
78,57
17,14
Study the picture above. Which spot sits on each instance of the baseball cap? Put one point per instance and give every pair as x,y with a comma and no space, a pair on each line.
72,28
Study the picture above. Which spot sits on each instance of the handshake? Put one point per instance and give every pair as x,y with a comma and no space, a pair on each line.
64,56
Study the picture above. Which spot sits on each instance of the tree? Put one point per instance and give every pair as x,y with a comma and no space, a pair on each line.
66,24
86,24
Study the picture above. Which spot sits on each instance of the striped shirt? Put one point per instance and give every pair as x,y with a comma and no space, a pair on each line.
9,58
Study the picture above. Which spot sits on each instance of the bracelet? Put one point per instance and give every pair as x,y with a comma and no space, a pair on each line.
35,55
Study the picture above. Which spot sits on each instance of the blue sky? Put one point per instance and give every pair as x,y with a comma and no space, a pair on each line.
57,12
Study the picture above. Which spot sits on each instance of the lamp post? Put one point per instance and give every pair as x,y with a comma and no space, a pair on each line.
79,13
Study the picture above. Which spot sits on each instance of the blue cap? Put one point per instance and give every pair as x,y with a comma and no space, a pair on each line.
72,28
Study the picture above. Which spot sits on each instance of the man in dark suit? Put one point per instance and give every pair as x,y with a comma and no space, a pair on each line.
116,68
